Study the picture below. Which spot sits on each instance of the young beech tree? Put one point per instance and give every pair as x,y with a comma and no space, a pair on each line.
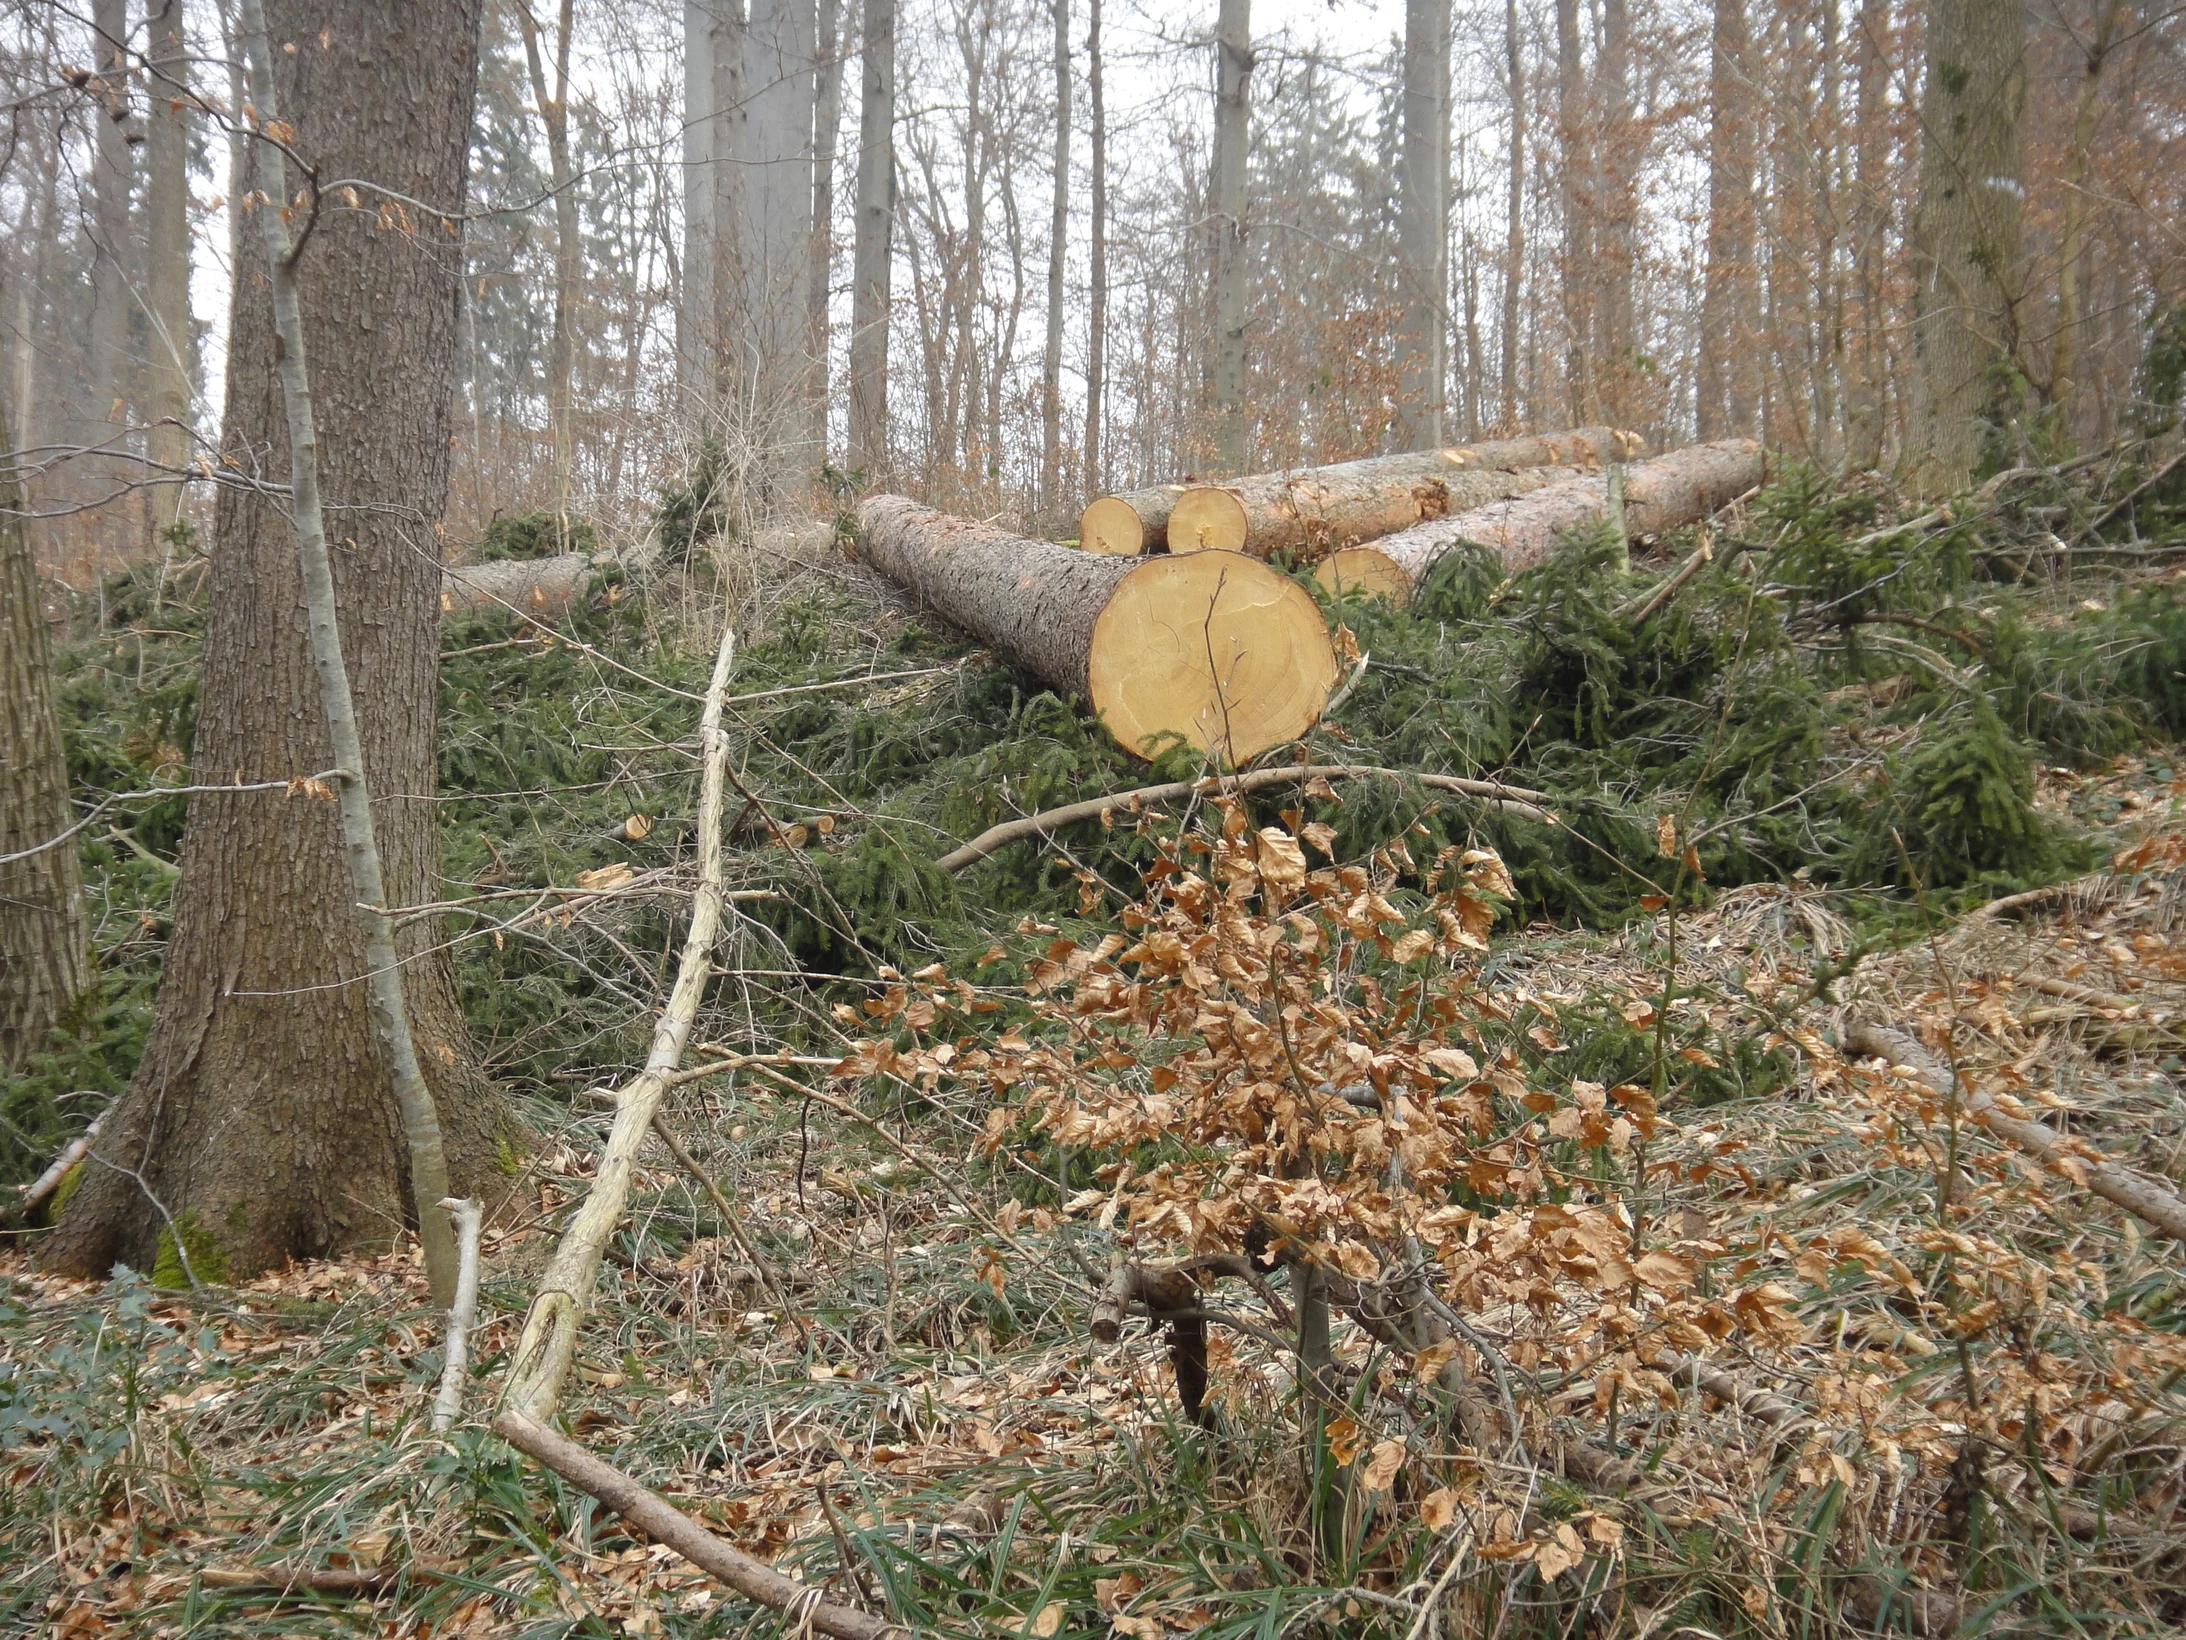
261,1121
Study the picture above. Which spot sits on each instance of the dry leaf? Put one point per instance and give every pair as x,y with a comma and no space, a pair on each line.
1666,836
1382,1468
1050,1620
1438,1508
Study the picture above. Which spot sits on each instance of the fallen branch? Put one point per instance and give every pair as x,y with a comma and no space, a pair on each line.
761,1268
39,1189
549,1343
2154,1203
657,1519
359,1581
1638,613
1516,800
455,1368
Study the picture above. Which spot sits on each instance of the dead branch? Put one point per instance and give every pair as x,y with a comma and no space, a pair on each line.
1517,800
549,1342
764,1269
652,1515
1639,612
2154,1203
36,1193
448,1404
360,1581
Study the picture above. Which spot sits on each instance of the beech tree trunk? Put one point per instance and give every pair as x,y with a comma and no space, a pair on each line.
112,387
694,313
1616,252
827,122
1208,648
1096,325
2065,355
553,101
872,241
1575,265
1965,238
1514,210
1058,239
1232,139
1680,488
261,1116
770,350
167,252
1423,226
45,940
1867,376
1727,398
1313,510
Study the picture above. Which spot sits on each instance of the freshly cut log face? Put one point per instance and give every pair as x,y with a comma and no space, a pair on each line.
1226,653
1366,570
1130,523
1212,646
1673,490
1208,519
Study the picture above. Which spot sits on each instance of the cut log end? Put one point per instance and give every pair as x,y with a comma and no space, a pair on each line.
1370,570
1112,525
1212,647
1207,519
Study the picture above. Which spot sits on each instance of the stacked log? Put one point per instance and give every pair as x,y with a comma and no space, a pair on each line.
1214,649
1680,488
540,587
1311,511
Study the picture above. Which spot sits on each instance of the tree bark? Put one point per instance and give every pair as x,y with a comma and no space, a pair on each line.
261,1116
1680,488
1867,383
1096,326
1581,396
734,252
2065,354
770,349
1616,254
540,587
1727,334
695,310
1058,235
1423,227
827,122
1313,510
1209,648
167,259
1965,237
553,101
45,940
1232,140
1514,226
112,388
872,241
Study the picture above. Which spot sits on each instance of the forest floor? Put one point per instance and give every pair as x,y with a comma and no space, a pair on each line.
1953,1401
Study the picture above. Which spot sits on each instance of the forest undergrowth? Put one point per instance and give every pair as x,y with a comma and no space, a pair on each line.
1758,1336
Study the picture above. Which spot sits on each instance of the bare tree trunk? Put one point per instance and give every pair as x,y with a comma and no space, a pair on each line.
780,46
826,127
113,369
553,101
1051,359
1965,238
167,244
2065,354
1617,253
1423,226
1581,396
45,937
1868,360
1727,337
1232,137
261,1116
695,312
872,246
734,252
1096,338
1514,219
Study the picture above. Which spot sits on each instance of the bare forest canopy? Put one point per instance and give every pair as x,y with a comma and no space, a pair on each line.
946,817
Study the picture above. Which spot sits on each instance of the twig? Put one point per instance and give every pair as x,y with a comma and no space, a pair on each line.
1638,614
36,1192
2126,500
652,1515
1517,800
729,1216
448,1404
549,1343
362,1581
2144,1198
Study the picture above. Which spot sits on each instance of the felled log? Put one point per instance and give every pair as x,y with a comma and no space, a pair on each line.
544,587
1680,488
1314,510
1214,648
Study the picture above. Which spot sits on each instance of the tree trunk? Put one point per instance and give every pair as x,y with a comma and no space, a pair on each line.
1216,650
734,253
1581,398
1096,328
2064,360
1867,378
1232,140
1727,335
1965,238
827,122
553,101
771,351
1423,227
1617,163
1313,510
1051,358
45,940
261,1117
872,241
695,311
1680,488
167,260
113,375
1514,225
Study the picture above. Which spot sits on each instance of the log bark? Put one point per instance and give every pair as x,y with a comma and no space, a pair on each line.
1319,509
1213,648
1679,488
542,587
